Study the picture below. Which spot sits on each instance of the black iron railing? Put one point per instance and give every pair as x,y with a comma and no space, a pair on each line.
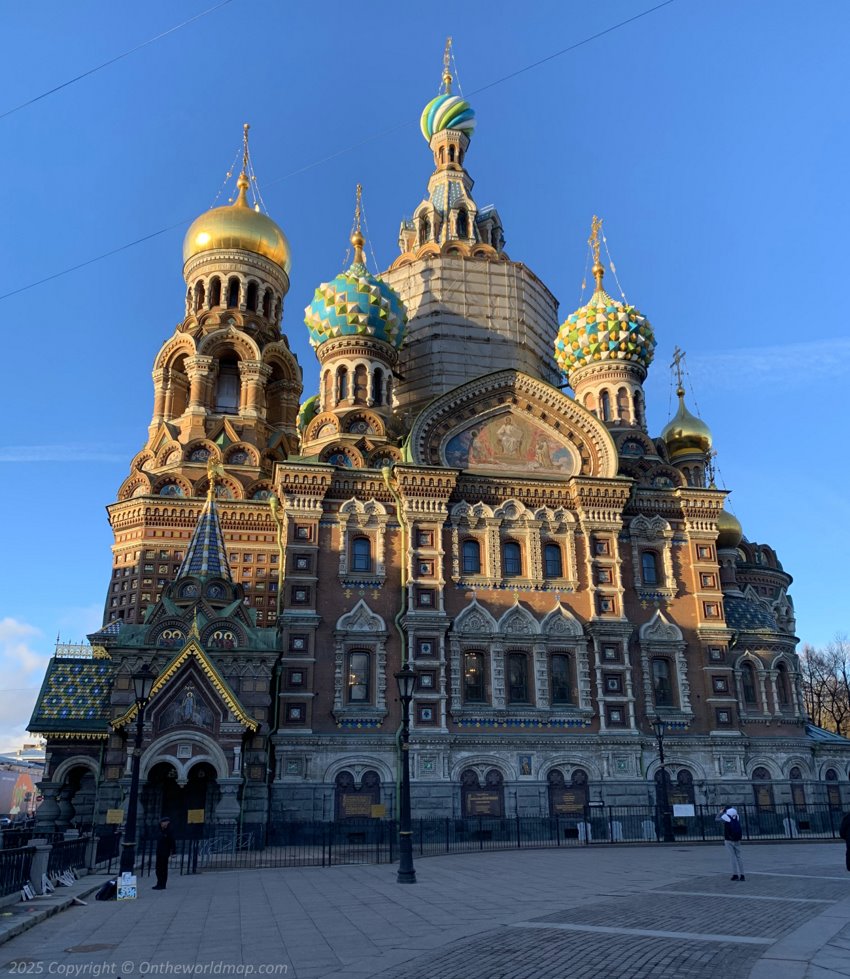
15,868
68,855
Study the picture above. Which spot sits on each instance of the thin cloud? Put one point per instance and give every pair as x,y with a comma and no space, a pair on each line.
779,364
22,668
59,453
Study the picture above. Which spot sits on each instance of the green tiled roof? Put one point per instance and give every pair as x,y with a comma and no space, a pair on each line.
74,697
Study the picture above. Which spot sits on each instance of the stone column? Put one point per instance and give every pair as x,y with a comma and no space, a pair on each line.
48,812
160,378
227,811
66,810
198,369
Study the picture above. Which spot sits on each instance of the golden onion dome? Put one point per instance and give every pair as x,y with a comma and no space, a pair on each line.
685,434
238,225
729,530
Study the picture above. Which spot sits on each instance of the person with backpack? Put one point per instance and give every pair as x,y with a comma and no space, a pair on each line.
732,834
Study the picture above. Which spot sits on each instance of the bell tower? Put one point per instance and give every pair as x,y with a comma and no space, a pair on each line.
226,393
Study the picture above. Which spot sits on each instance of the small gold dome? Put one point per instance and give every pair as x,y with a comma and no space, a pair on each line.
729,530
685,433
238,225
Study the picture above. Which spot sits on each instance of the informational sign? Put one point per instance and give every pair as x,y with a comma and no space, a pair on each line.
127,890
379,811
568,801
683,810
353,804
114,817
483,803
194,815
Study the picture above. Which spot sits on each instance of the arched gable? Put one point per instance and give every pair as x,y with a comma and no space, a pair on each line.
561,622
518,621
510,421
361,619
660,629
474,620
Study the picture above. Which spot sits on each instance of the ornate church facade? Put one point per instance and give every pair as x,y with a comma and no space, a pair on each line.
559,577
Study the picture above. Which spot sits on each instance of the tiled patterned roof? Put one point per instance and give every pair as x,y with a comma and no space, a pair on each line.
74,697
747,616
206,556
821,734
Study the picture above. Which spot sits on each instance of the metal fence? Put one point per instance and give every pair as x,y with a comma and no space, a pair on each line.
15,869
325,844
68,855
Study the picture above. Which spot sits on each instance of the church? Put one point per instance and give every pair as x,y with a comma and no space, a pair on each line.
473,491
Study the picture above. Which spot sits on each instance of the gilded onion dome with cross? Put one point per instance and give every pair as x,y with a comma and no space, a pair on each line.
604,350
687,437
356,324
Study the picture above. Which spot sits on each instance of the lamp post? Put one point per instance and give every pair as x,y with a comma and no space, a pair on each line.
660,728
142,684
406,677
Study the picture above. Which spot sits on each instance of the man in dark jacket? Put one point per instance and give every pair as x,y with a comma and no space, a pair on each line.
844,833
166,846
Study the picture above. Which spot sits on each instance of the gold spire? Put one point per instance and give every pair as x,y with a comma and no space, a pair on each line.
357,238
214,471
447,75
243,183
598,268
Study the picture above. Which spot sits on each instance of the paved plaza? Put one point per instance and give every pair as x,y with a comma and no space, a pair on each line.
611,912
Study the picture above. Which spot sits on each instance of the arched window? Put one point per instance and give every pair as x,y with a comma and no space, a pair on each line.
267,304
748,683
359,677
361,384
341,385
227,388
783,686
561,687
470,557
232,292
377,386
763,790
462,224
553,565
683,792
649,567
590,402
251,297
605,406
511,559
833,790
473,678
798,790
451,154
361,554
518,678
662,688
215,291
199,295
424,229
623,405
327,391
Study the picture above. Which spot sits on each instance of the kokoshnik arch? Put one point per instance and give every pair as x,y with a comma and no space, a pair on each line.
559,577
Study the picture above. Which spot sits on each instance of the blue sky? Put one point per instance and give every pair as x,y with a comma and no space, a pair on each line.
711,137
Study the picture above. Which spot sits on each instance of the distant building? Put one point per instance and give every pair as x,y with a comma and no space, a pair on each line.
558,576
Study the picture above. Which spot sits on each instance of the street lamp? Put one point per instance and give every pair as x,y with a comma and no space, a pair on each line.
660,728
406,678
142,684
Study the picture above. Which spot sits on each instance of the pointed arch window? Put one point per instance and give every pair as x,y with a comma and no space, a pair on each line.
341,385
199,295
215,291
471,557
361,384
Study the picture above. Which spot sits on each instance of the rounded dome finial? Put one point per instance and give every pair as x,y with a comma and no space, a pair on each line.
238,225
729,530
685,434
447,111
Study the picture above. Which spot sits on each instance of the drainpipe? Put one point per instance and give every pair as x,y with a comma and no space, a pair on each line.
387,473
280,519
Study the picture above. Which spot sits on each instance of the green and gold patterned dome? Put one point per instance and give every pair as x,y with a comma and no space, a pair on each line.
603,330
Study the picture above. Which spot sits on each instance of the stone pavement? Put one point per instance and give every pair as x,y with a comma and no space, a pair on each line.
580,913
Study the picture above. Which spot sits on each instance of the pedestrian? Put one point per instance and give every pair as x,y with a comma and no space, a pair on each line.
732,834
844,833
166,846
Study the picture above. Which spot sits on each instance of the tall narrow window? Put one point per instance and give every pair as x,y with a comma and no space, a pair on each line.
267,304
471,557
361,384
782,685
649,567
605,406
215,291
517,678
661,686
232,293
473,678
199,295
377,386
361,554
462,224
748,682
227,390
560,675
553,565
251,296
341,385
359,681
511,559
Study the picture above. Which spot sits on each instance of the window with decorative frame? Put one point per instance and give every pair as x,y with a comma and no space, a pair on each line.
517,685
511,559
359,677
474,689
361,555
553,561
748,685
363,527
560,679
470,557
662,686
